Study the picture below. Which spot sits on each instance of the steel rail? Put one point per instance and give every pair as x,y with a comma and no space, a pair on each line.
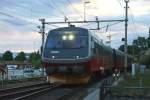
24,92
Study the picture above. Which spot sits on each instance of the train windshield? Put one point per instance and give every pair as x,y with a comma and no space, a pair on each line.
64,39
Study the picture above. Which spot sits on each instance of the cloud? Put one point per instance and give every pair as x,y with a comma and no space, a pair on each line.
13,39
100,8
140,7
17,33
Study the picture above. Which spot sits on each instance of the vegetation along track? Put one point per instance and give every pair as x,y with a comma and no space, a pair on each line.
25,92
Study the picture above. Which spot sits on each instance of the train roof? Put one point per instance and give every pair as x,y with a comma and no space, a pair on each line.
69,28
100,41
77,30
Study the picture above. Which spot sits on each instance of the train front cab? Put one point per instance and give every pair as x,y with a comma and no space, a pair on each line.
68,54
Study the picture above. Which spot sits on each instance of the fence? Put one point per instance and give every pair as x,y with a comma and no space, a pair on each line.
110,92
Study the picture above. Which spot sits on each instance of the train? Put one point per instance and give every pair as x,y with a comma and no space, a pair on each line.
74,55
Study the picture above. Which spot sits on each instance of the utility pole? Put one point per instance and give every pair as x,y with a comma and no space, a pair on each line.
126,30
43,38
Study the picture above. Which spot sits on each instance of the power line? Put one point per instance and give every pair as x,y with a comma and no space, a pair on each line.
8,2
23,19
121,7
8,15
119,3
48,4
57,8
26,8
21,6
132,19
70,3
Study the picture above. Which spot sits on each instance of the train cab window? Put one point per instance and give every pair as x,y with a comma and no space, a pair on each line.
58,42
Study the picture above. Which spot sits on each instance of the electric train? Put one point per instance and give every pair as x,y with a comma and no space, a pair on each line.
74,55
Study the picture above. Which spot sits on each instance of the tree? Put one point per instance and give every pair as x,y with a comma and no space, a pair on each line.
148,42
121,48
132,49
145,58
21,57
7,56
0,58
35,59
141,43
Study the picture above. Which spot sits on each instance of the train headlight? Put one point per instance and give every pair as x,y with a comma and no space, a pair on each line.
64,37
71,37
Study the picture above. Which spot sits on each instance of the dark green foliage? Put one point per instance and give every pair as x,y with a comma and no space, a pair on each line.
137,49
0,58
35,59
148,42
137,46
7,56
141,43
145,58
121,48
132,49
20,57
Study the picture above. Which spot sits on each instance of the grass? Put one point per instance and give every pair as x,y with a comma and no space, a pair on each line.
132,86
139,80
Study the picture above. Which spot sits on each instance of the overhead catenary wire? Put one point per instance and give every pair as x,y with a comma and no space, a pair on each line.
5,14
48,4
60,10
57,8
35,11
119,1
70,3
20,18
16,17
133,22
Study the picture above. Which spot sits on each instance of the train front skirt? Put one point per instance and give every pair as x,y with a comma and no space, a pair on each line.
69,79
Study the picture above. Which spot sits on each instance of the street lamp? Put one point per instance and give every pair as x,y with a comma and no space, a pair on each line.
85,2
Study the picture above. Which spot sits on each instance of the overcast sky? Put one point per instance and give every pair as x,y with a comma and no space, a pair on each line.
19,20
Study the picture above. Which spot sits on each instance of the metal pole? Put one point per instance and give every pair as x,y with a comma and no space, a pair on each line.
43,38
126,30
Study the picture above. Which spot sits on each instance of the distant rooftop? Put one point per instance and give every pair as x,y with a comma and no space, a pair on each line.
14,63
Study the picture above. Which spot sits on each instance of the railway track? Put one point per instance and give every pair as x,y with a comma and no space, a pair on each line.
47,91
26,92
